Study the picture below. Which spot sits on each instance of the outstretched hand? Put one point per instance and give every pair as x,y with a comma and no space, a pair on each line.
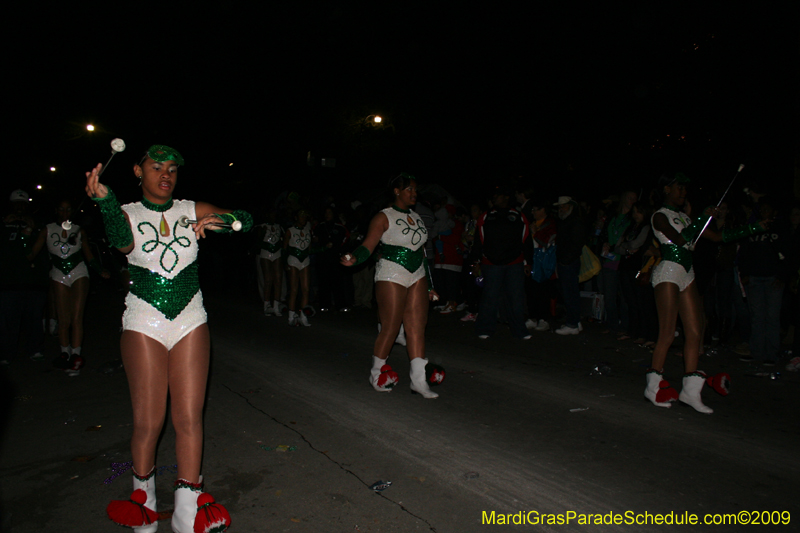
94,188
200,226
347,260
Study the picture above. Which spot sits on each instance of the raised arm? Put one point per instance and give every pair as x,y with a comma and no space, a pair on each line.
118,225
211,216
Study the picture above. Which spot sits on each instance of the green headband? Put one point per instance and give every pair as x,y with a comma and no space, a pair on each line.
161,153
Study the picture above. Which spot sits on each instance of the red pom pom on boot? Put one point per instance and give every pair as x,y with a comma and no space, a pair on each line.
658,390
720,382
132,513
387,378
665,392
211,517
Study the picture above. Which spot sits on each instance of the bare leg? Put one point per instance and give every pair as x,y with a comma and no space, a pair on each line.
147,365
188,377
691,312
78,294
415,318
304,286
266,270
293,283
277,276
667,296
61,299
391,307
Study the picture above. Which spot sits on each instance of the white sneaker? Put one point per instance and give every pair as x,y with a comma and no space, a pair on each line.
483,337
469,317
461,306
543,325
567,330
530,324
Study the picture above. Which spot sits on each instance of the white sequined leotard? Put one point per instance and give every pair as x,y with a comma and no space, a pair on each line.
669,271
164,302
66,255
402,261
297,248
271,245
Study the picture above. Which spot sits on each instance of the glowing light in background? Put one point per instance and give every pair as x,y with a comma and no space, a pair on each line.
90,127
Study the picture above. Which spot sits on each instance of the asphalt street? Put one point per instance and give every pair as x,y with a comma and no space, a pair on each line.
295,436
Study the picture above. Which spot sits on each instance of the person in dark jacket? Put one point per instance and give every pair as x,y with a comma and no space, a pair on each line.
503,243
570,241
764,270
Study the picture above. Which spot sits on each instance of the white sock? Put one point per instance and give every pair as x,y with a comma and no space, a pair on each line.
76,351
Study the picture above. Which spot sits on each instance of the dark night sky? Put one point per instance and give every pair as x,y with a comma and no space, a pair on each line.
566,97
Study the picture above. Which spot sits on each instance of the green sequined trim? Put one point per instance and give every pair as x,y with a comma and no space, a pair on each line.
158,208
152,244
361,254
298,253
409,259
183,484
67,264
677,254
691,231
151,475
401,210
170,296
117,228
730,235
161,153
242,216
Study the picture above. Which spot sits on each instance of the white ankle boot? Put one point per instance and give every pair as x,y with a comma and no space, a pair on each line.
195,510
658,390
139,512
185,505
148,485
418,383
276,308
293,320
267,309
382,381
690,394
303,318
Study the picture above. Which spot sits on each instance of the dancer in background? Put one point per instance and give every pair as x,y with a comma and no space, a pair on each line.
296,243
401,282
69,280
676,291
165,343
271,264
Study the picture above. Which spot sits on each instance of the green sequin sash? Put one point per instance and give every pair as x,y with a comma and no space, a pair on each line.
677,254
271,248
298,253
410,259
67,264
170,296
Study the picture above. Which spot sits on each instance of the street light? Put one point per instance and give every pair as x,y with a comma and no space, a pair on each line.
90,127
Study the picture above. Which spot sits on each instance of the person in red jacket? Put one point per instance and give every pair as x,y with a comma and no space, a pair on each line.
449,260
